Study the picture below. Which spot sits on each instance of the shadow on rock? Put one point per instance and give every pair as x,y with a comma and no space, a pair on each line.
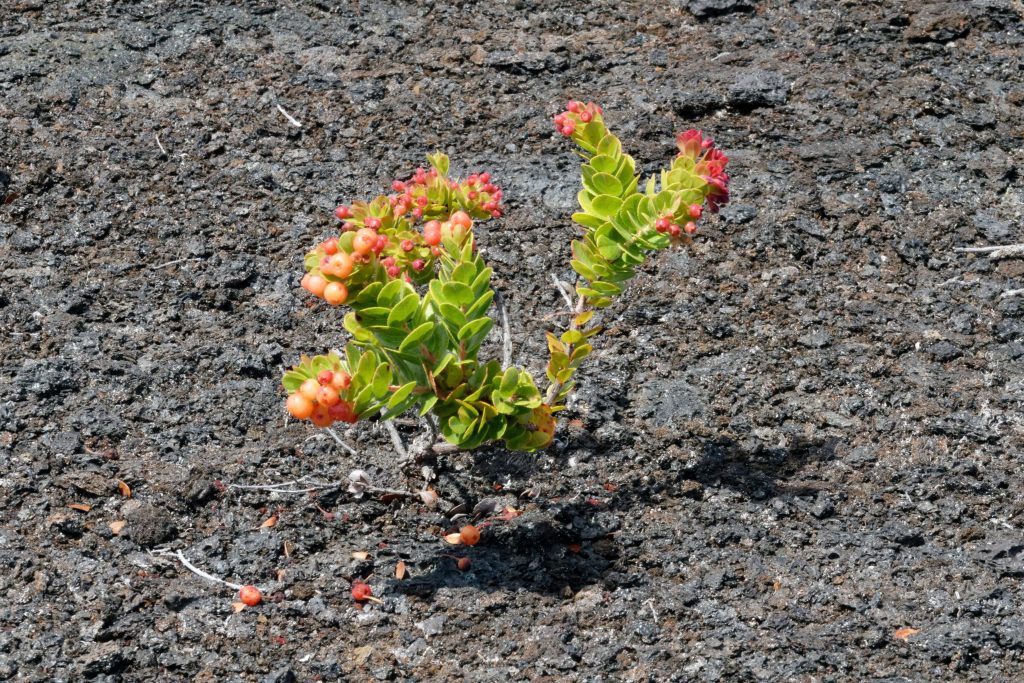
538,551
760,473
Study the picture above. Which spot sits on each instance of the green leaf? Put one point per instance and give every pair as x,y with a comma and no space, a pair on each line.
417,335
606,205
464,273
571,337
452,314
293,379
588,220
481,305
609,145
427,404
602,163
474,328
389,293
381,380
403,309
439,161
458,293
605,183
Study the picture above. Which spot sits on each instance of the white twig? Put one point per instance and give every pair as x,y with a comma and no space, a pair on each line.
1013,292
340,442
506,333
396,438
176,262
194,569
996,252
158,144
650,603
291,119
565,295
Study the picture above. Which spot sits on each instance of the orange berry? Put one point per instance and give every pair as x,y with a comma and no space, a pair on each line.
299,406
331,246
469,535
250,595
432,233
461,218
335,293
310,388
314,284
364,242
463,564
340,265
327,396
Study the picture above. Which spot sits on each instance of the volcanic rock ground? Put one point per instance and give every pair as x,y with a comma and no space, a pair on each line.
795,456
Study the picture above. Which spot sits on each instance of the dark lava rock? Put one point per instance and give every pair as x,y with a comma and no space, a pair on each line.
939,22
704,9
758,88
149,525
944,351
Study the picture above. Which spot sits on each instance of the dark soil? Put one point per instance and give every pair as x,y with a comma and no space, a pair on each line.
798,437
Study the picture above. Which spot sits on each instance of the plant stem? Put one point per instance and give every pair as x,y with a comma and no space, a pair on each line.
556,386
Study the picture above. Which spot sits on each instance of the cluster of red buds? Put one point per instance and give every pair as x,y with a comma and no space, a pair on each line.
575,114
380,236
709,163
667,224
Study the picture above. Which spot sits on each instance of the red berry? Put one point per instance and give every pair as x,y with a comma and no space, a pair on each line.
422,200
573,106
389,261
695,211
347,226
417,212
407,245
361,592
436,251
418,264
568,130
661,225
585,116
325,377
496,213
690,228
461,218
379,245
398,186
372,222
341,380
299,406
673,230
250,595
393,271
331,246
327,396
472,180
342,411
314,284
472,194
485,178
463,564
342,212
321,417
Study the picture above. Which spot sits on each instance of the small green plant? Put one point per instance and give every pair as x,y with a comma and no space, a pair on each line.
421,297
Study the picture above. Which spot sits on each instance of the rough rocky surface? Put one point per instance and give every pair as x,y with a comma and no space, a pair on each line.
799,437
